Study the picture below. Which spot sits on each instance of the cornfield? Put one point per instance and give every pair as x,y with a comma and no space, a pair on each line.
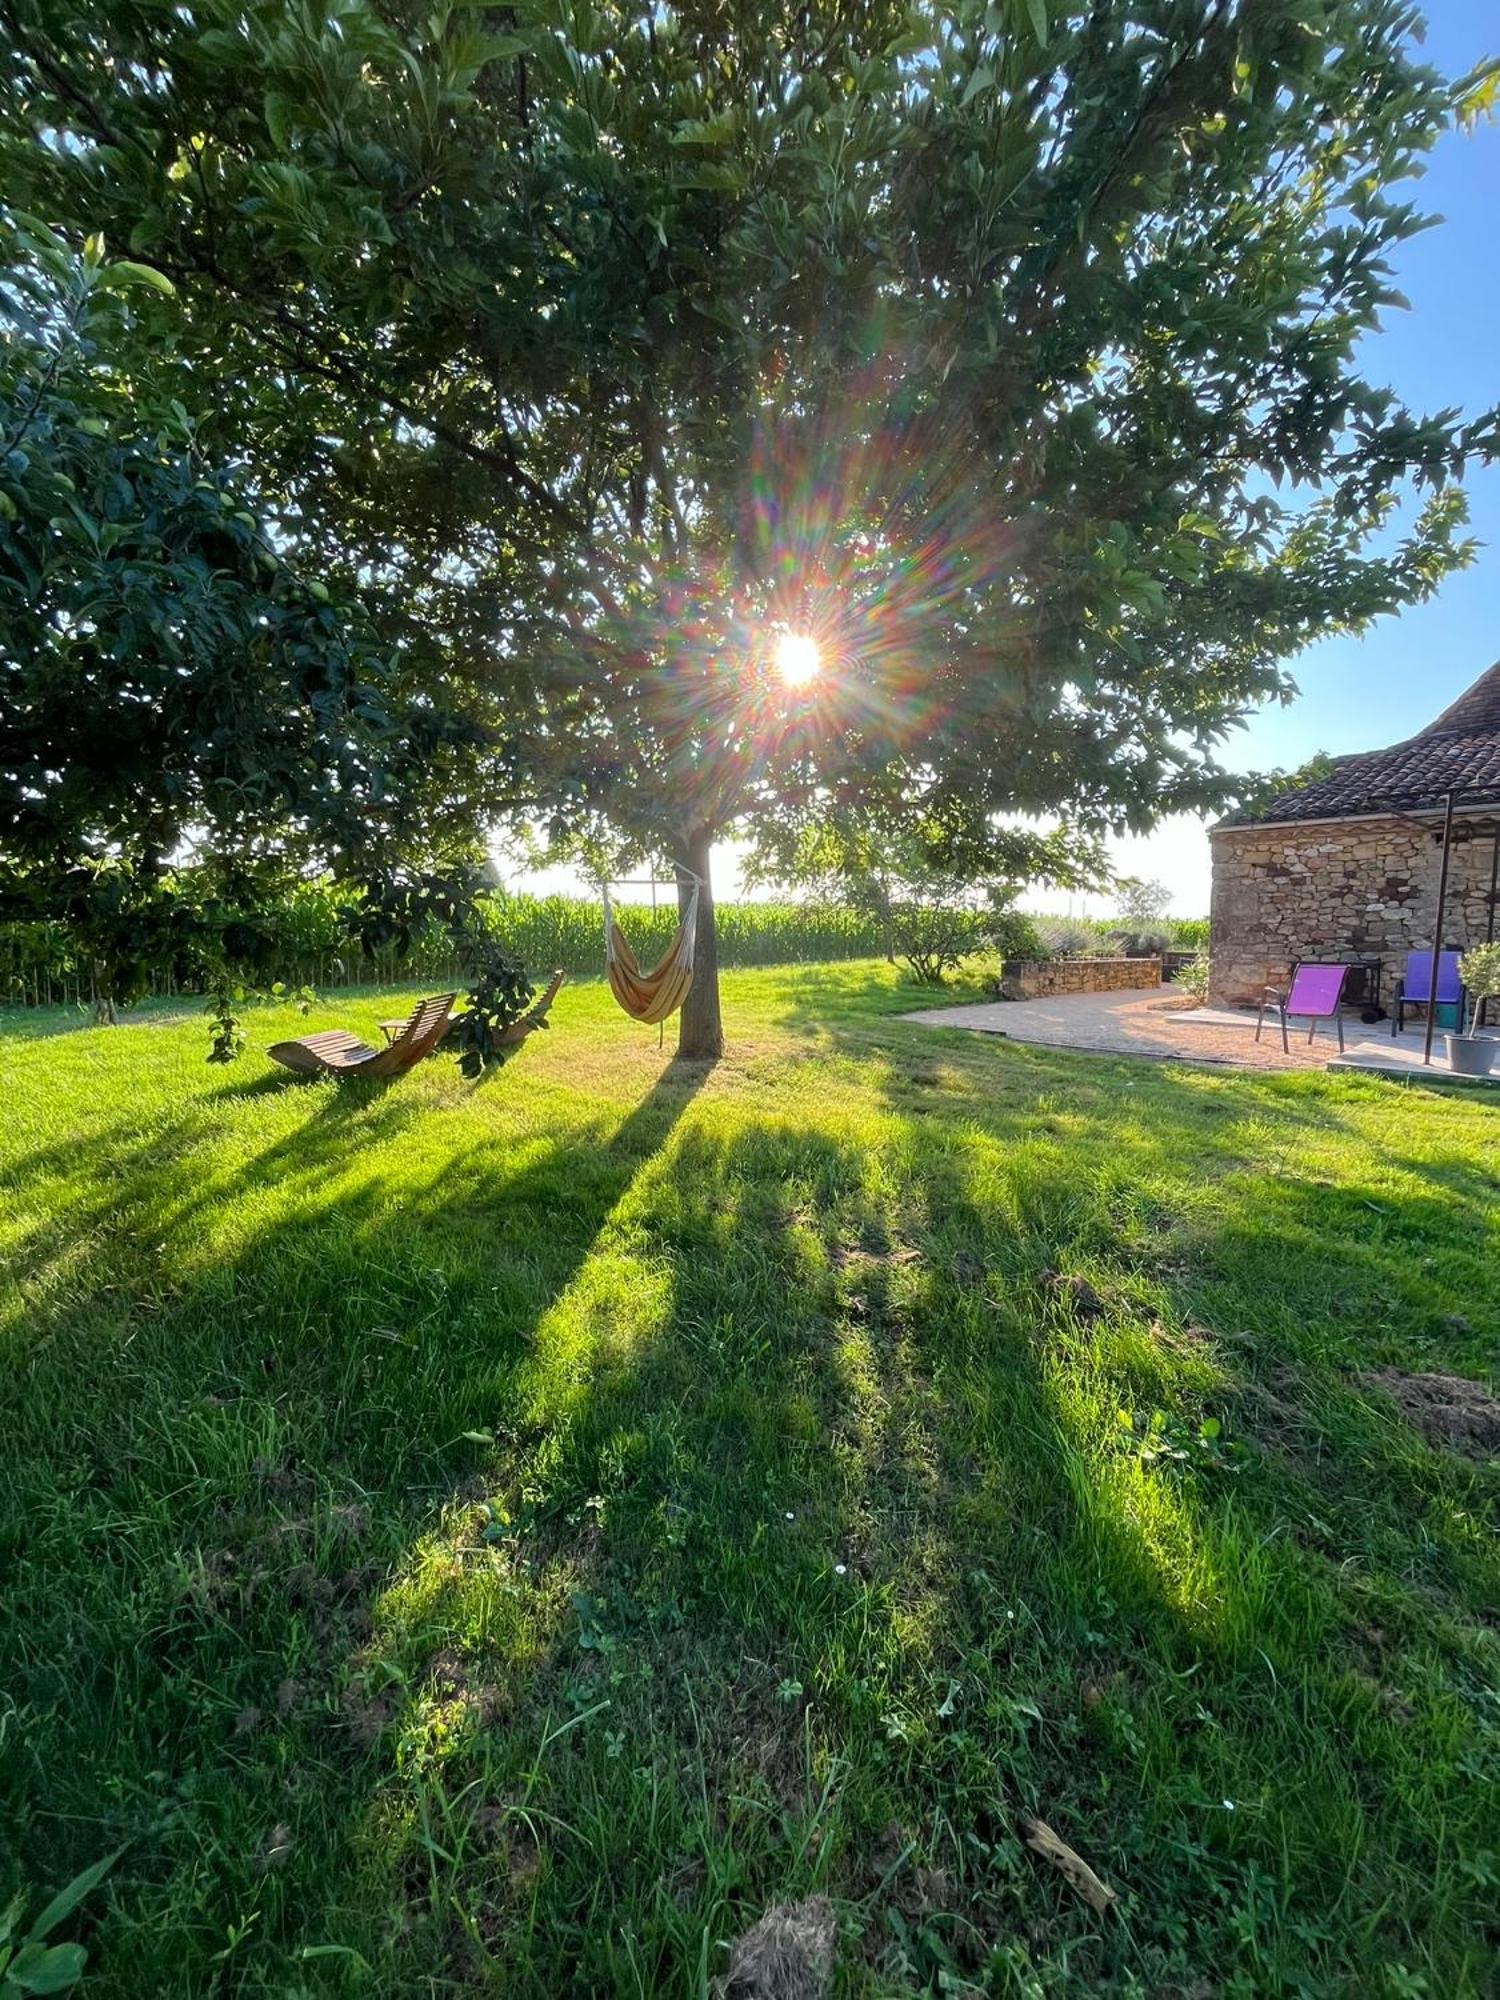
40,965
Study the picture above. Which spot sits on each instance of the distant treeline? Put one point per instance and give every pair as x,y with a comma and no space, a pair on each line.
41,964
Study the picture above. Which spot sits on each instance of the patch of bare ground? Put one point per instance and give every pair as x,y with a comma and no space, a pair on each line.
1447,1409
1077,1294
786,1955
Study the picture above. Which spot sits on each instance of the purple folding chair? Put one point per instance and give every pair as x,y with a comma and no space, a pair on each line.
1315,994
1415,985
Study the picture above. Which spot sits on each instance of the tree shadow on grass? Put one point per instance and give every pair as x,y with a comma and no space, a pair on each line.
245,1388
760,1557
1223,1117
270,1083
40,1024
841,1563
518,1558
137,1187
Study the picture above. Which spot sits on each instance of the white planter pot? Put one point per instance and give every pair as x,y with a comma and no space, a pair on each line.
1471,1055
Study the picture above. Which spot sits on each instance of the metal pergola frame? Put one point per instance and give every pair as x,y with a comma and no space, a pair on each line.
1472,828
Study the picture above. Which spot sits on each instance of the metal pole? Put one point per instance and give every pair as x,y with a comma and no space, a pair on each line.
1437,930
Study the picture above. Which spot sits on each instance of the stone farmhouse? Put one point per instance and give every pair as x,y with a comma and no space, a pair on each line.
1349,865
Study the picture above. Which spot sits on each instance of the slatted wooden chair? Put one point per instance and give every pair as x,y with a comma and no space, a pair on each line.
517,1032
534,1017
338,1053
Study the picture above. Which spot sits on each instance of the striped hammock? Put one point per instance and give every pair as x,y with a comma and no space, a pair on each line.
651,996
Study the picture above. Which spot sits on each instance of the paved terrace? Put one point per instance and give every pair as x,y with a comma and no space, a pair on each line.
1154,1021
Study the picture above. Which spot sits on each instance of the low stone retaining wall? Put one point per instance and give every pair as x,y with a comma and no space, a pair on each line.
1036,978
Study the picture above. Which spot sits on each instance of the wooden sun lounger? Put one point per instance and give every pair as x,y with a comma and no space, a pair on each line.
534,1017
517,1031
338,1053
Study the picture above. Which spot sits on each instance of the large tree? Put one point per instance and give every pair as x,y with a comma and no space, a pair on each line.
172,679
1010,351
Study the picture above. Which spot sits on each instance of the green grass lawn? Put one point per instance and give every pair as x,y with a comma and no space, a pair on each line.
499,1538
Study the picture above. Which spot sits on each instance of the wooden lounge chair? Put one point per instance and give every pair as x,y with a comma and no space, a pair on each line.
517,1032
1315,994
338,1053
534,1017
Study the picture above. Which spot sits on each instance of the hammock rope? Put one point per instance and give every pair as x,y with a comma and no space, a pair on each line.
651,996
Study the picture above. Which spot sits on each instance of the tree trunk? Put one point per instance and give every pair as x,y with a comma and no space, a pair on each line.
700,1030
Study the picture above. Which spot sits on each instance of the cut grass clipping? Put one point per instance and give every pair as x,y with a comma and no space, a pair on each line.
514,1537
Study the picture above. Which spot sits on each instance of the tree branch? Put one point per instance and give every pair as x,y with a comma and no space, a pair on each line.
48,67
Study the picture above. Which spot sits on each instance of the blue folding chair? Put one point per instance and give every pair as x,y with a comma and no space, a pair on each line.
1414,987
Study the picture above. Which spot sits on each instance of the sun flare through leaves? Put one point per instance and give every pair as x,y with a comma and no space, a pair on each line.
799,659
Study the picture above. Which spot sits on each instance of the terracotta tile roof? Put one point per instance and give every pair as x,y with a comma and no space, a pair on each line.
1460,751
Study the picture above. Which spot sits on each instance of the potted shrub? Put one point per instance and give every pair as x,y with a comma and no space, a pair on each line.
1479,969
1192,978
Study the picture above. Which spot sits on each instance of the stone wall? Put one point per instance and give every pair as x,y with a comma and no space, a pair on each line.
1035,978
1364,887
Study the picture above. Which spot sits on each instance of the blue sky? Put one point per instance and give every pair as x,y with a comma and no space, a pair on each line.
1360,694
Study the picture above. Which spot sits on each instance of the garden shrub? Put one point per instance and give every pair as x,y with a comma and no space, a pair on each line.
1149,941
1013,935
1192,978
1066,937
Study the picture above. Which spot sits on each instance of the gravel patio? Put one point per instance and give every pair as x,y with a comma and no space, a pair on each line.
1155,1021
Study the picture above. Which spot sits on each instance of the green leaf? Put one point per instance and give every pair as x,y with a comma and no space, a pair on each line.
42,1969
1038,12
34,226
280,111
715,131
310,1951
67,1899
982,79
124,272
